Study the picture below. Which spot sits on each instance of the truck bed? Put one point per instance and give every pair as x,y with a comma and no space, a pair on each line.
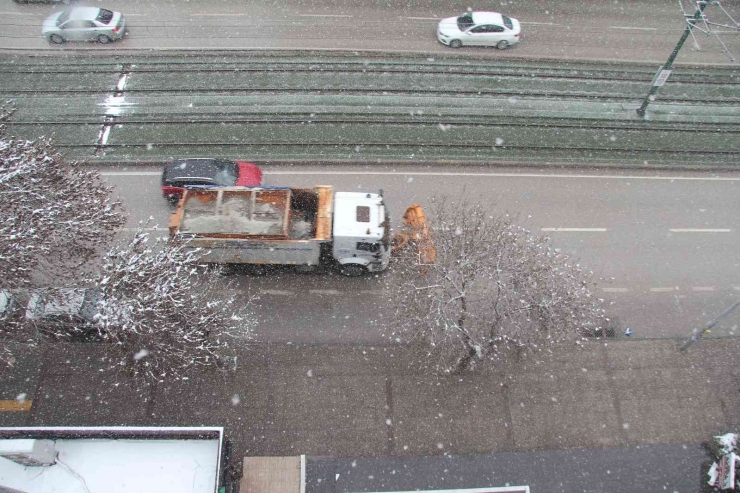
235,212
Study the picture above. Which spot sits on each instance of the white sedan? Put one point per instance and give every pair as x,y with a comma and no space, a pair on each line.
84,24
479,29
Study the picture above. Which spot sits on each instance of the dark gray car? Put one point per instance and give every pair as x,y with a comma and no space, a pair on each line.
65,312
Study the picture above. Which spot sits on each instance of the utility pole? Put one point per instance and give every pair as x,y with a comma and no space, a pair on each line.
663,72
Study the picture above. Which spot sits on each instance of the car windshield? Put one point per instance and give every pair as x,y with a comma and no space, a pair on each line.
465,21
507,22
104,16
63,18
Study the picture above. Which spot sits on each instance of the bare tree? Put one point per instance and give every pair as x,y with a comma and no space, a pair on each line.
492,287
162,316
55,216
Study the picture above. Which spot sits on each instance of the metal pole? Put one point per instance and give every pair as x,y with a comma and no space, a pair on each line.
696,333
669,64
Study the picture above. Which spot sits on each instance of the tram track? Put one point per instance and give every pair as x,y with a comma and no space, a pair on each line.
360,108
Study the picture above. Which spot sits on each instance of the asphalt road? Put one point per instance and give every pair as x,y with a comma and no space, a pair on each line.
597,29
669,242
627,470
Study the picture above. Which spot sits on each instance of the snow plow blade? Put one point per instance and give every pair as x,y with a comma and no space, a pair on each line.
416,230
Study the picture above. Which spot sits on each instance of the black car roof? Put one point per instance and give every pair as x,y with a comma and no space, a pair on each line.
195,168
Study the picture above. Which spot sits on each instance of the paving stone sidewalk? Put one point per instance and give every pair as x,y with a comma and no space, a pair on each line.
353,401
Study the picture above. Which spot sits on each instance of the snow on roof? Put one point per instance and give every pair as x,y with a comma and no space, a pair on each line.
117,460
358,215
728,442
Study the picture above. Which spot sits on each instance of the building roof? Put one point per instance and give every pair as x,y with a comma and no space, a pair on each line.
115,460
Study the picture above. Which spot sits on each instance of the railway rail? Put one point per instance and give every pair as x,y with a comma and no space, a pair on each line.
431,77
366,108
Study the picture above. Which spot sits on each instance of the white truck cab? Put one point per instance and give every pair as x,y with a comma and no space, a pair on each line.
361,232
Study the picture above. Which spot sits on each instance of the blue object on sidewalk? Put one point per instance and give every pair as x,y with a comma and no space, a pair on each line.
628,332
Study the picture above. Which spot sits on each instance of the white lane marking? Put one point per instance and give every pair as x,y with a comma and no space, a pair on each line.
122,82
702,289
219,15
325,15
663,290
324,291
115,105
575,230
104,134
17,13
699,230
615,290
539,23
501,175
277,292
423,18
634,28
131,173
420,173
143,229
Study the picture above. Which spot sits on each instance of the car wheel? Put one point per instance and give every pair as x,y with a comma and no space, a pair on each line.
455,43
502,45
56,39
103,39
353,270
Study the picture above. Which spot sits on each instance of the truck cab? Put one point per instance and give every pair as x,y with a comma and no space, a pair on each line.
361,232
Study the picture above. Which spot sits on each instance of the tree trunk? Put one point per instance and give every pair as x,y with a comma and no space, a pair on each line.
464,362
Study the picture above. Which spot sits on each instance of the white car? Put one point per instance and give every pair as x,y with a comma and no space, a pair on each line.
84,24
479,29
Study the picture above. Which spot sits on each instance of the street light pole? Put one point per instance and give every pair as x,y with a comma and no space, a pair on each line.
663,72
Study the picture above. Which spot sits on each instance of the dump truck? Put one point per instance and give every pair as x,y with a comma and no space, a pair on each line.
282,226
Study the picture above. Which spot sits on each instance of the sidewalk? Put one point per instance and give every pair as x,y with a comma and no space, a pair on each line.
344,401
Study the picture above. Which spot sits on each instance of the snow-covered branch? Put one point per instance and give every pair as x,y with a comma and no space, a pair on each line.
55,216
162,316
494,287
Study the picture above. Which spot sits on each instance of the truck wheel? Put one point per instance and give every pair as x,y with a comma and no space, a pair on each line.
305,269
353,270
